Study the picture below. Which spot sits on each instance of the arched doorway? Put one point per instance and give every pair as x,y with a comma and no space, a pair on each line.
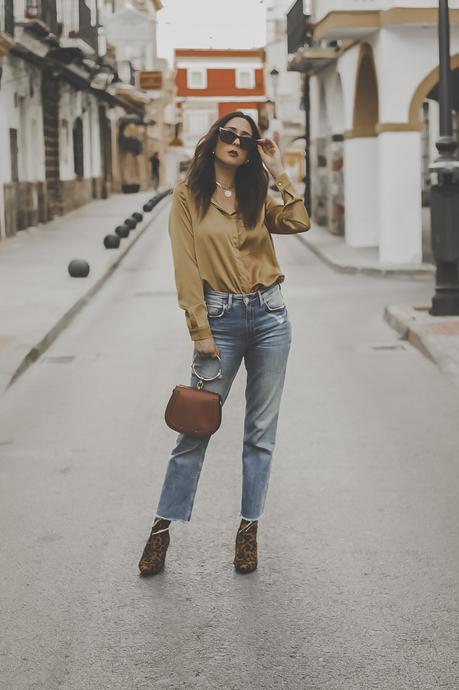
366,102
361,155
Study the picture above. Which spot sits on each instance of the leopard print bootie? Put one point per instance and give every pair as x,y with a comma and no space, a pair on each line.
154,553
245,559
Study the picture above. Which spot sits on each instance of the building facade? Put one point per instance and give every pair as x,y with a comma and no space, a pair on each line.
211,83
130,34
50,115
286,120
71,129
373,72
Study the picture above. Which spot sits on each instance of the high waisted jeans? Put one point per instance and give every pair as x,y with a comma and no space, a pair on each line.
255,327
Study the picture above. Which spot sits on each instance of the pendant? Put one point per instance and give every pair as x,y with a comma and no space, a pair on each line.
228,193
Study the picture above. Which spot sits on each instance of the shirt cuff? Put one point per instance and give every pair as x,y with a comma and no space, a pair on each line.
201,333
283,182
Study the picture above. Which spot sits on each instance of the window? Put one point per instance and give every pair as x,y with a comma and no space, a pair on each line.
245,79
64,141
78,147
14,155
197,78
196,122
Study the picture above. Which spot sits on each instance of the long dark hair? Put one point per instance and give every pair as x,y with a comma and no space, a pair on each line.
251,178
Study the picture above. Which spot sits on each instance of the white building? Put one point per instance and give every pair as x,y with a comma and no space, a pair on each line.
374,68
131,30
286,117
49,116
213,82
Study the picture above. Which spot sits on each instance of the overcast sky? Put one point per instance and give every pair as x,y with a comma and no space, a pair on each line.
210,24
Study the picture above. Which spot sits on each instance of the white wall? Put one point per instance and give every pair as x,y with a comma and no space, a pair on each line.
400,197
361,192
289,90
416,48
133,34
21,109
75,104
197,118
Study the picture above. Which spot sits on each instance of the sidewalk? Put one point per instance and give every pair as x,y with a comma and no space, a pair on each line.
436,337
335,253
38,297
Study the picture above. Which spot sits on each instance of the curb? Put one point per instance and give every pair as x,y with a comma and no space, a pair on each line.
37,350
410,332
365,270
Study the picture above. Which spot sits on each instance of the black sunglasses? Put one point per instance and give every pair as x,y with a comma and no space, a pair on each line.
229,137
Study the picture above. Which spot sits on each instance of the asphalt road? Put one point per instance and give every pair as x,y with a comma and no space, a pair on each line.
357,585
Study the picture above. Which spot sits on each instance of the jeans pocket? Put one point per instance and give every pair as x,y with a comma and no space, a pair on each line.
274,301
215,307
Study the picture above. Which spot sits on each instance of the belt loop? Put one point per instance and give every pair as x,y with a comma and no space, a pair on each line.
230,300
260,297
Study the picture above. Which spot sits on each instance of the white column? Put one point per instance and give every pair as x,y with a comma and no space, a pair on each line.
361,192
400,197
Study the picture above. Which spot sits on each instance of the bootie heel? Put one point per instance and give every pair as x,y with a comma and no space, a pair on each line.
245,558
154,553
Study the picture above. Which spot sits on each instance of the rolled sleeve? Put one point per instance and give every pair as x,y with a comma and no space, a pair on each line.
291,216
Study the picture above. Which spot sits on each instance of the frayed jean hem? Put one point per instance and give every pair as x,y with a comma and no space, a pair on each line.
250,519
172,519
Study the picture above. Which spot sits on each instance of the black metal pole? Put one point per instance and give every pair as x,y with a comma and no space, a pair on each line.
445,72
307,130
444,196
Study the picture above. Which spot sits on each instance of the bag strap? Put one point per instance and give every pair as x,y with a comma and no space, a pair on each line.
218,375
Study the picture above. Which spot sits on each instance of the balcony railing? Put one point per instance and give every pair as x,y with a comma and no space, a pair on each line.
64,17
14,11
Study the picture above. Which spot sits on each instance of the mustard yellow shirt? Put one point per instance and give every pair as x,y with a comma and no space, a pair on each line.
219,250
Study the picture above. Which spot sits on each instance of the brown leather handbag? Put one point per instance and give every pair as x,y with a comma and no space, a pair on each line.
195,411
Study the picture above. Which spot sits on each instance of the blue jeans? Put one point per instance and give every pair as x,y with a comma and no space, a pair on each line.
255,327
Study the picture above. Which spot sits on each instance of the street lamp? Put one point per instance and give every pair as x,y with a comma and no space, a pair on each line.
444,199
274,74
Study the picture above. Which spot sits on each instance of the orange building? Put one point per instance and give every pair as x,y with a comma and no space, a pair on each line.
211,83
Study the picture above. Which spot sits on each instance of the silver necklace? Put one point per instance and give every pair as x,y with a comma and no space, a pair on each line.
226,190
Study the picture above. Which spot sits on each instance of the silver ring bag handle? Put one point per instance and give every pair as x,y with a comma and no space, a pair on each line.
202,379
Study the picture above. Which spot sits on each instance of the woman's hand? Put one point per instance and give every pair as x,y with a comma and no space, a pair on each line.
206,348
271,156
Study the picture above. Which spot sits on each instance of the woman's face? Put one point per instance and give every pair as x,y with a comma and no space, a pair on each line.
232,154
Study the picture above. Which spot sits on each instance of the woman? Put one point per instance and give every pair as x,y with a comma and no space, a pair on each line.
228,282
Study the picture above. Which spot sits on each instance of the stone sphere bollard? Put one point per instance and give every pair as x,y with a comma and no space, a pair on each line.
111,241
122,230
130,222
147,207
137,216
78,268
